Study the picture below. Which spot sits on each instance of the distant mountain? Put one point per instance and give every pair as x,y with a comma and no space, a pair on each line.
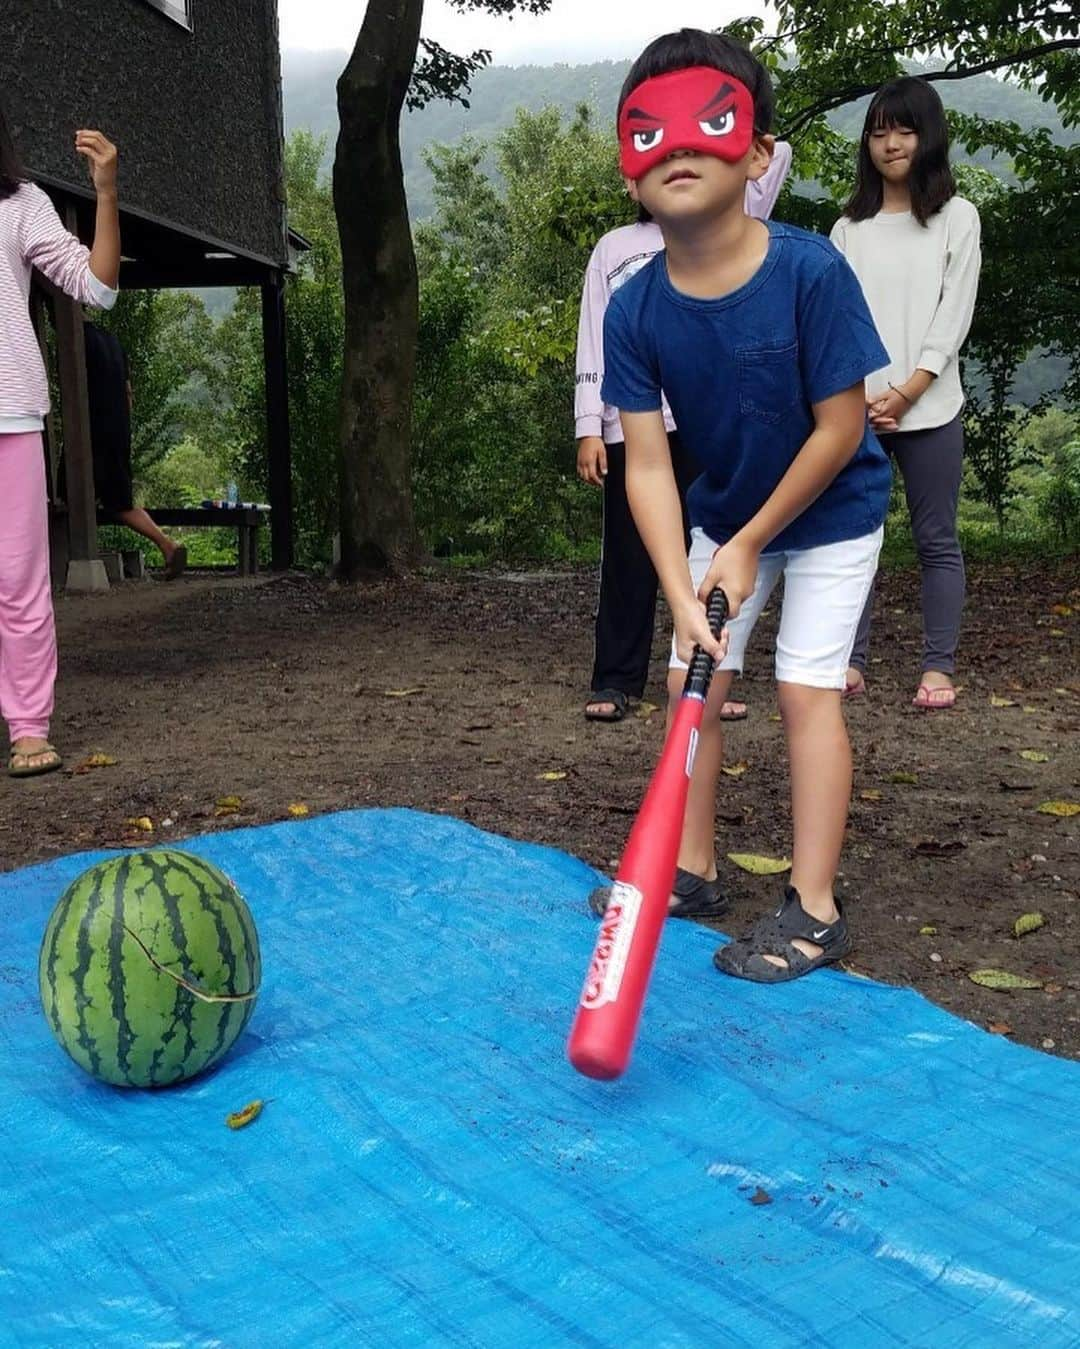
310,80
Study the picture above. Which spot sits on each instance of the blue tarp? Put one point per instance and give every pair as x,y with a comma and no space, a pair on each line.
429,1170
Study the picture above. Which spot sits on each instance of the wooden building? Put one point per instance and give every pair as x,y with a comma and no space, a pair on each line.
190,91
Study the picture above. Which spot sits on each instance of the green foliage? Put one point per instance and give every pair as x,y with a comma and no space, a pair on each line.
502,264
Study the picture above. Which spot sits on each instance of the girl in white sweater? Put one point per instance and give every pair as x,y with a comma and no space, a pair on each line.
31,235
914,245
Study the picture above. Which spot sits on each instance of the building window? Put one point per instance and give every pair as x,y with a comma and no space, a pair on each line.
177,10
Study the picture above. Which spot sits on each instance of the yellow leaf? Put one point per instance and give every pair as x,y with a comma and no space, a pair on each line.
143,822
904,779
996,701
1057,632
297,810
760,866
1002,979
229,802
1064,810
1034,756
1062,610
1028,922
645,710
775,716
871,794
401,693
240,1118
550,776
100,761
928,931
1029,709
735,770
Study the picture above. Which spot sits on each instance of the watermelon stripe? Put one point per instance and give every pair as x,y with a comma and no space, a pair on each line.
47,965
184,1004
227,953
125,1037
84,951
230,898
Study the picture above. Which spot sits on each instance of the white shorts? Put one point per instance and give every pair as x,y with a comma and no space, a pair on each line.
825,590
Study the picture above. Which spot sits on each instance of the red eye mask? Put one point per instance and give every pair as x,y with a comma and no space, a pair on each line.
698,108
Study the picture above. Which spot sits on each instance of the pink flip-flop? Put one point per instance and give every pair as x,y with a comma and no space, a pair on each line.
934,700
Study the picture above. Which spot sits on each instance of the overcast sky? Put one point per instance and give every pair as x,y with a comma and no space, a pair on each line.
572,30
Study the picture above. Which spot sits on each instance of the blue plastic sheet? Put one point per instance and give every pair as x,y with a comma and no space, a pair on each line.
429,1170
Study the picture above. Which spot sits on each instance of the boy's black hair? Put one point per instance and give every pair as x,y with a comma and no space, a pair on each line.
694,47
913,104
11,169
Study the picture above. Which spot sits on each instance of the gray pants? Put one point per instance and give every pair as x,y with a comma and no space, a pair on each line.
930,462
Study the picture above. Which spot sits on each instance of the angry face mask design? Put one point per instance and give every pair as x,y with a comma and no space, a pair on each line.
699,109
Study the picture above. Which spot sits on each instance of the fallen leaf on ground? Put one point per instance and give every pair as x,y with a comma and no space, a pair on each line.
999,1028
143,822
928,931
1064,810
96,761
645,710
1034,756
758,865
904,779
775,716
932,847
995,701
760,1197
490,758
297,809
1062,610
400,693
240,1118
735,770
1002,979
871,794
227,805
552,776
1057,632
1028,922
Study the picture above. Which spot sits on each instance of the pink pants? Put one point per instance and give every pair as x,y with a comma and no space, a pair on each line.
27,630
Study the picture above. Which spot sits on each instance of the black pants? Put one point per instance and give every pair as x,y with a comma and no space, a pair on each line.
627,605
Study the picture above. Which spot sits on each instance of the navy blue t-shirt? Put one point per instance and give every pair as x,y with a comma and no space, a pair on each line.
741,373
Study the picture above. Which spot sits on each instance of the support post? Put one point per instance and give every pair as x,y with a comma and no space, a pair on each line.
278,449
85,568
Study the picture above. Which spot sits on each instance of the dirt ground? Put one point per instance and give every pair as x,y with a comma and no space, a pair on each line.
458,693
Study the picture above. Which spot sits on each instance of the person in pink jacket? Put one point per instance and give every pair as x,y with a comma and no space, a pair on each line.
31,235
626,604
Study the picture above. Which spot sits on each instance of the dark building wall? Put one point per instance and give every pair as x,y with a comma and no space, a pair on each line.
196,115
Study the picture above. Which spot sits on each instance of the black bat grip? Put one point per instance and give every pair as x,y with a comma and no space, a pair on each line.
699,675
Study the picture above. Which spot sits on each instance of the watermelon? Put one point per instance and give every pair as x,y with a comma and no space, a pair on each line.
149,968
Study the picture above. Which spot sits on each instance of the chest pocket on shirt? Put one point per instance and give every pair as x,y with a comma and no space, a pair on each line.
769,381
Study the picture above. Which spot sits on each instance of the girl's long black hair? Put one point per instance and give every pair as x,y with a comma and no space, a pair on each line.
913,104
11,169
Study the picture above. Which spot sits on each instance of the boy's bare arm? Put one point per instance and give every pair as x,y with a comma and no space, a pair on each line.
839,424
657,510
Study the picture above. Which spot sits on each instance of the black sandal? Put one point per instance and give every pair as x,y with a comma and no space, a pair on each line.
618,700
774,935
695,898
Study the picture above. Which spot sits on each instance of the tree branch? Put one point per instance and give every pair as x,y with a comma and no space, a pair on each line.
852,92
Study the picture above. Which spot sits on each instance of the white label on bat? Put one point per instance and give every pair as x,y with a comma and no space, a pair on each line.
604,979
691,751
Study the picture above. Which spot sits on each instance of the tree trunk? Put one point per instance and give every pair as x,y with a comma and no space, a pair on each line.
381,302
